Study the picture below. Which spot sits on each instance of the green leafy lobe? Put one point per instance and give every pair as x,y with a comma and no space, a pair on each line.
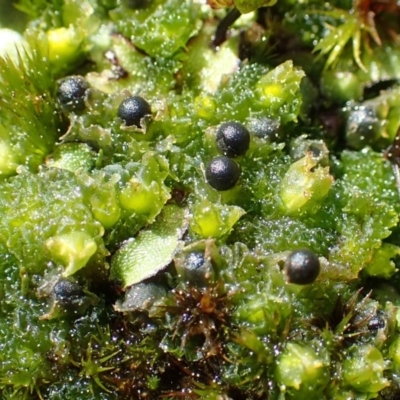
152,250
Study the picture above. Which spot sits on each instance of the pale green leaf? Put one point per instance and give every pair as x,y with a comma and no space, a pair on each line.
152,250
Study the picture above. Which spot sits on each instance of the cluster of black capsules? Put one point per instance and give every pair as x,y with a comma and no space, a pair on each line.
222,173
72,91
233,140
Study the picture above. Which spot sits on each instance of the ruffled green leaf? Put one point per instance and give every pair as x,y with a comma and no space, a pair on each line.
279,92
162,29
301,371
381,264
363,369
364,224
45,218
214,220
305,185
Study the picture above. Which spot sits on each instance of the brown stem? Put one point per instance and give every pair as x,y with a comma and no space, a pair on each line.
223,26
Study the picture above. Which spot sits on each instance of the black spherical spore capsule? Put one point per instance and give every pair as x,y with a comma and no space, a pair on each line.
67,293
302,267
71,92
222,173
133,109
233,139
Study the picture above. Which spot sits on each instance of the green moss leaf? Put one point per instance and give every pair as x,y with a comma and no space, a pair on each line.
26,95
145,193
161,29
152,250
364,368
381,264
369,201
279,92
304,187
73,250
72,157
214,220
364,224
301,371
36,208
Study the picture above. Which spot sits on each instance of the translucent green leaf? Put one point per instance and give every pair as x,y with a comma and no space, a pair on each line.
72,157
365,222
152,250
381,264
161,29
279,92
301,371
214,220
369,199
363,370
304,184
73,250
45,215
